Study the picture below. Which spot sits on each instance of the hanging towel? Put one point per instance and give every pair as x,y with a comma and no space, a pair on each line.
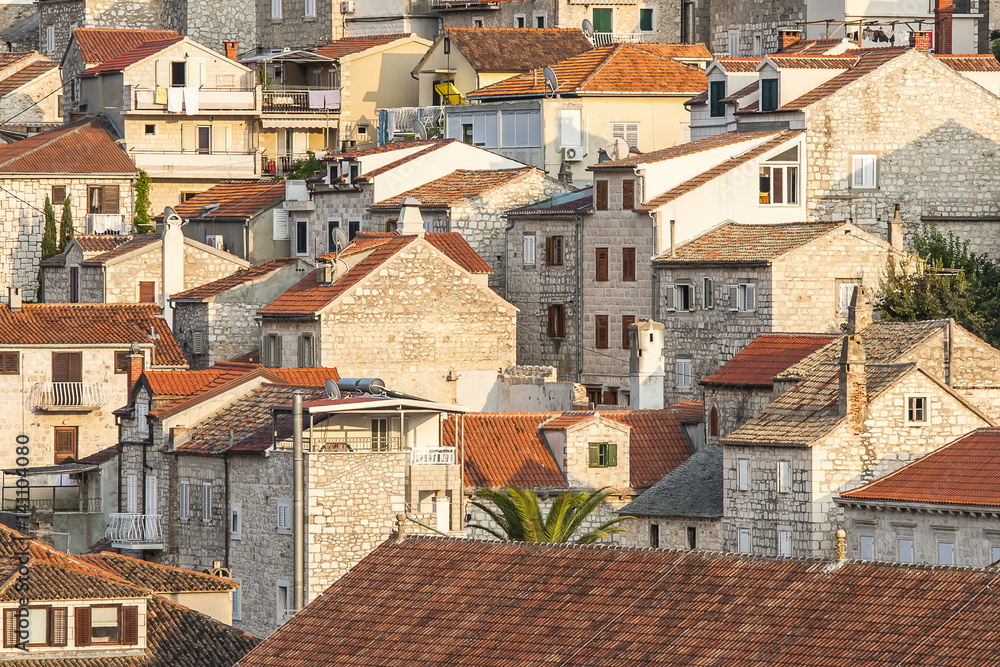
191,101
317,99
161,96
175,99
332,99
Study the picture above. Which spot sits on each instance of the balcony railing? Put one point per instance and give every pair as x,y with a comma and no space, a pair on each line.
434,456
599,39
279,165
209,99
397,123
319,441
59,505
135,531
293,101
63,396
106,223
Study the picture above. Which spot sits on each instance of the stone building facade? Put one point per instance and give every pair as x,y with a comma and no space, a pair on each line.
31,98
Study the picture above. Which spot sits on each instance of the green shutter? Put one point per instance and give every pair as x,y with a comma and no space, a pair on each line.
612,454
595,455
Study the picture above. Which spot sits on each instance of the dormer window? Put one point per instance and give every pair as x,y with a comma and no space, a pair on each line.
46,626
768,94
717,91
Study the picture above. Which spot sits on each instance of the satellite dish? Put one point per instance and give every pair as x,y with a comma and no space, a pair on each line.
339,238
420,130
588,27
332,390
170,216
550,79
617,149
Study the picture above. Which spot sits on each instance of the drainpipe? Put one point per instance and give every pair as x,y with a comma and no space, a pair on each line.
579,297
298,516
506,256
227,529
654,277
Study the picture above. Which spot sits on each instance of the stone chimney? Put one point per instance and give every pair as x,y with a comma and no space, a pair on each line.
853,394
943,12
786,38
646,368
172,260
14,299
896,232
135,363
859,313
921,41
231,50
410,220
841,545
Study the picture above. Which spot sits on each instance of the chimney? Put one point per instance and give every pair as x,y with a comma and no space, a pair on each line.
646,368
231,49
786,38
172,261
410,219
841,545
943,12
921,41
14,299
859,313
853,395
135,363
896,232
673,246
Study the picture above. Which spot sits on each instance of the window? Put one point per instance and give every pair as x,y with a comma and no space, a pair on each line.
519,129
65,438
237,602
692,537
627,131
275,10
272,351
285,517
601,270
554,250
67,367
58,194
601,331
102,199
784,543
204,139
646,19
845,295
734,43
654,535
784,476
282,600
150,129
758,47
105,625
539,20
353,225
779,185
147,292
235,524
683,373
59,106
601,195
708,293
528,249
477,22
768,94
713,422
306,351
520,20
557,321
916,410
380,435
864,175
74,284
946,552
9,363
603,455
717,91
867,544
628,265
50,39
628,194
46,626
743,541
206,502
994,554
362,131
331,234
679,298
743,297
743,474
905,547
184,509
178,74
603,19
131,499
310,9
627,321
610,397
141,414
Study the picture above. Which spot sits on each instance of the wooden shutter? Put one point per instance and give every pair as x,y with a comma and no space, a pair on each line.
594,455
751,304
67,367
668,297
628,195
65,444
628,264
147,292
8,363
601,195
83,626
58,626
162,71
602,265
549,249
58,194
130,625
627,321
557,250
9,628
557,321
734,295
612,454
602,331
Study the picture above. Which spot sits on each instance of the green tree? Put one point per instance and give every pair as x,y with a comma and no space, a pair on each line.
929,292
302,169
143,223
65,225
50,245
517,514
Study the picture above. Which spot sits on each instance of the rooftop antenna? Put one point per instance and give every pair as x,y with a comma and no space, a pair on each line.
332,390
550,79
420,130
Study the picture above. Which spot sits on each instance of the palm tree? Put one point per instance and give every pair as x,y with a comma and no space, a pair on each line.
518,516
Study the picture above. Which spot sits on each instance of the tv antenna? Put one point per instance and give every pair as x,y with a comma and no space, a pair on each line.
550,80
420,130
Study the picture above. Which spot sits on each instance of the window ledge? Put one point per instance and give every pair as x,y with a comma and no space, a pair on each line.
284,531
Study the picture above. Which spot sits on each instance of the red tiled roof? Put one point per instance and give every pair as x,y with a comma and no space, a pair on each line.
82,324
129,58
504,449
459,251
100,44
516,49
238,198
733,242
438,602
375,150
691,412
565,420
217,287
786,61
812,46
458,185
708,143
86,146
27,74
98,243
745,65
351,45
963,472
617,68
156,577
766,356
986,62
13,57
657,443
136,242
868,61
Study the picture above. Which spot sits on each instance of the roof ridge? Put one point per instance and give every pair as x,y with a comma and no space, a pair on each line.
56,136
599,66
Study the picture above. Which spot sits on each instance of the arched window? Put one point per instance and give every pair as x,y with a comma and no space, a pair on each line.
713,422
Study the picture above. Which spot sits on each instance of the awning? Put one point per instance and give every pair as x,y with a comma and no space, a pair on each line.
449,93
63,469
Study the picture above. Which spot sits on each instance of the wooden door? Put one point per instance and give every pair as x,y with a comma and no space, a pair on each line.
65,444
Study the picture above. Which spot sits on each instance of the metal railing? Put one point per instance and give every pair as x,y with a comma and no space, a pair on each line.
103,223
290,101
66,505
67,396
397,122
279,165
130,531
319,441
605,38
433,456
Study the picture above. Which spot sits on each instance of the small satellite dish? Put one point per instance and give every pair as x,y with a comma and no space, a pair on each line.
550,79
617,149
332,390
339,238
420,130
588,27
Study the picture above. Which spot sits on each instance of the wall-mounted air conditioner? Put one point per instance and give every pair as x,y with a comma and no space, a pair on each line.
347,7
572,154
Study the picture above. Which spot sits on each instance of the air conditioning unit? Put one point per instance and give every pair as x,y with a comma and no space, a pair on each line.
216,241
347,7
572,154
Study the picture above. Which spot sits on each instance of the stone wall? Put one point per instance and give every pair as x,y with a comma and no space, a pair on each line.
293,29
575,464
734,407
341,205
752,20
35,102
62,17
189,318
673,532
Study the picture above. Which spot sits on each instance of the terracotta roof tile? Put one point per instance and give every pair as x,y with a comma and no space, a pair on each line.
237,199
27,74
351,45
786,61
459,251
457,186
155,577
435,602
100,44
85,324
86,146
963,472
13,57
98,243
129,58
766,356
986,62
812,46
745,65
136,242
691,412
617,68
241,277
504,449
708,143
718,170
737,243
569,203
564,420
376,150
657,443
516,49
868,61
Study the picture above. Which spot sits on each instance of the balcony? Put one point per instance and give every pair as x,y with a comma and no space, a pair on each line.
62,499
397,123
296,101
106,223
191,164
433,456
67,396
279,165
599,39
337,442
135,531
210,100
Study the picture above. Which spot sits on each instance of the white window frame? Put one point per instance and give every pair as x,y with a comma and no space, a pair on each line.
864,165
534,20
309,9
238,600
684,375
276,10
528,249
907,398
184,501
235,521
758,46
946,551
743,297
131,497
744,545
681,289
784,545
282,589
50,39
520,21
206,502
478,22
994,554
743,473
141,417
733,43
866,547
284,516
789,191
845,293
628,131
784,476
708,293
279,225
905,545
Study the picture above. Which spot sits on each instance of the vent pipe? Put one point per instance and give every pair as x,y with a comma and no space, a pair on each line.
298,513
